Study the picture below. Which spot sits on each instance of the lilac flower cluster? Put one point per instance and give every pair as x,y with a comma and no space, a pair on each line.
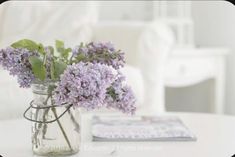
91,79
120,96
104,53
84,85
16,61
93,86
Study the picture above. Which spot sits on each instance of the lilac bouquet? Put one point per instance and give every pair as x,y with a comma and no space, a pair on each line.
86,76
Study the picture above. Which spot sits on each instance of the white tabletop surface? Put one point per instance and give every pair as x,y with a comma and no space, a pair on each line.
215,138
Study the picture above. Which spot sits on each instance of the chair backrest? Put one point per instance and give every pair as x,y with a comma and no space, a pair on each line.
154,46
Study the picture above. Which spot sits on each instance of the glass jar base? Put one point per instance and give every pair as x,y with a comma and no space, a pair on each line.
54,153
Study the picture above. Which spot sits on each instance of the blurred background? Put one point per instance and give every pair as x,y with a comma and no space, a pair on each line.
204,26
180,54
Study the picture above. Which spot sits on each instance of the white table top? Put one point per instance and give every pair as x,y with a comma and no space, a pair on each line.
216,138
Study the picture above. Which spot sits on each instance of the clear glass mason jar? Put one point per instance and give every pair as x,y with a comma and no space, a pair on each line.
55,129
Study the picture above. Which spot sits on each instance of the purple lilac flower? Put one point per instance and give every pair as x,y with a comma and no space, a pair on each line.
120,96
16,61
104,53
79,50
84,85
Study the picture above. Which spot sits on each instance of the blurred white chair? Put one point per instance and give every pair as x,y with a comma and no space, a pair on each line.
146,46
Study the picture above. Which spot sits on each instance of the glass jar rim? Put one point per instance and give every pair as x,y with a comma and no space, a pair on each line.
42,87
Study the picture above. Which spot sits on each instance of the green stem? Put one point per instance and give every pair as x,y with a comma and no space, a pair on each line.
48,97
38,126
44,130
74,121
37,130
45,125
70,60
61,128
44,59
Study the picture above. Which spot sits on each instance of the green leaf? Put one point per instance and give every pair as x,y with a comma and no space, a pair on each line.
68,50
26,43
39,70
80,57
65,53
60,48
112,93
52,70
59,45
51,49
41,49
59,68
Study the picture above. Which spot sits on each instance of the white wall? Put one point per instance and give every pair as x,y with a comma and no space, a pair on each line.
215,26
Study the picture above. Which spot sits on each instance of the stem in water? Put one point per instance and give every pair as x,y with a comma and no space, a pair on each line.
61,127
